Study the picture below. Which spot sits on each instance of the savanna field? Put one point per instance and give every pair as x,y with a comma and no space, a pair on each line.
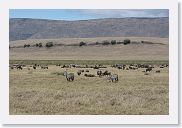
47,92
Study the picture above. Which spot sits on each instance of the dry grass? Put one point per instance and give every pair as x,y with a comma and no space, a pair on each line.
44,92
116,52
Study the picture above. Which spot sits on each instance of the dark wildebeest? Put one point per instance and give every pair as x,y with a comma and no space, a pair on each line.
148,69
19,67
69,77
34,67
99,73
44,67
86,70
96,67
89,75
158,71
106,73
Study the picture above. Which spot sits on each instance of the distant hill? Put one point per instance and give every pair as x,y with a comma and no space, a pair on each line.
22,29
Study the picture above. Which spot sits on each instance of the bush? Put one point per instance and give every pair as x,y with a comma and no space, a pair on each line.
40,45
26,45
119,42
49,44
105,42
97,43
126,41
82,43
37,45
113,42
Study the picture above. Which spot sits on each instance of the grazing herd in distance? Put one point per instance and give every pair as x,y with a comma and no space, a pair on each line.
100,72
104,43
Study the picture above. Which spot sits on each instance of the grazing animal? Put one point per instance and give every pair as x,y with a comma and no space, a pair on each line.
106,73
148,69
95,67
19,67
34,67
44,67
99,73
113,78
89,75
158,71
87,70
69,77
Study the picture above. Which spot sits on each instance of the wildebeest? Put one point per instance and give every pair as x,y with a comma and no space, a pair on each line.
34,67
89,75
44,67
19,67
113,78
65,66
158,71
106,73
87,70
96,67
148,69
69,76
99,73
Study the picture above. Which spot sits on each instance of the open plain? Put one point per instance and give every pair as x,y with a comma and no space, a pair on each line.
47,92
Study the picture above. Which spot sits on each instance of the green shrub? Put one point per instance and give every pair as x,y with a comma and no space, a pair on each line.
120,42
49,44
97,43
113,42
82,43
26,45
37,45
127,41
105,42
40,45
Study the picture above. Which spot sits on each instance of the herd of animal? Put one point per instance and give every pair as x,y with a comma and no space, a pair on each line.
100,69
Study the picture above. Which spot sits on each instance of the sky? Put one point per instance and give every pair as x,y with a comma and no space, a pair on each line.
85,14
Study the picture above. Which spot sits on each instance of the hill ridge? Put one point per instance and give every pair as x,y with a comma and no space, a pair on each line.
27,28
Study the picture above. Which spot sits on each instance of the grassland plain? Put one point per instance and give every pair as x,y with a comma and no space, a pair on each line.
159,50
46,92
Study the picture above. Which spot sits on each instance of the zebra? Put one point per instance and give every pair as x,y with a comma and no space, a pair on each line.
113,78
69,77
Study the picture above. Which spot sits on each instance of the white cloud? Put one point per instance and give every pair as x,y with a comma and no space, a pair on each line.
107,13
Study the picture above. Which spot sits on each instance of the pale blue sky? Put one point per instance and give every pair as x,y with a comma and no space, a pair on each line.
84,14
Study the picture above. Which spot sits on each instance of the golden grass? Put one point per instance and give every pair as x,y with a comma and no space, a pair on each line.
154,51
43,92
